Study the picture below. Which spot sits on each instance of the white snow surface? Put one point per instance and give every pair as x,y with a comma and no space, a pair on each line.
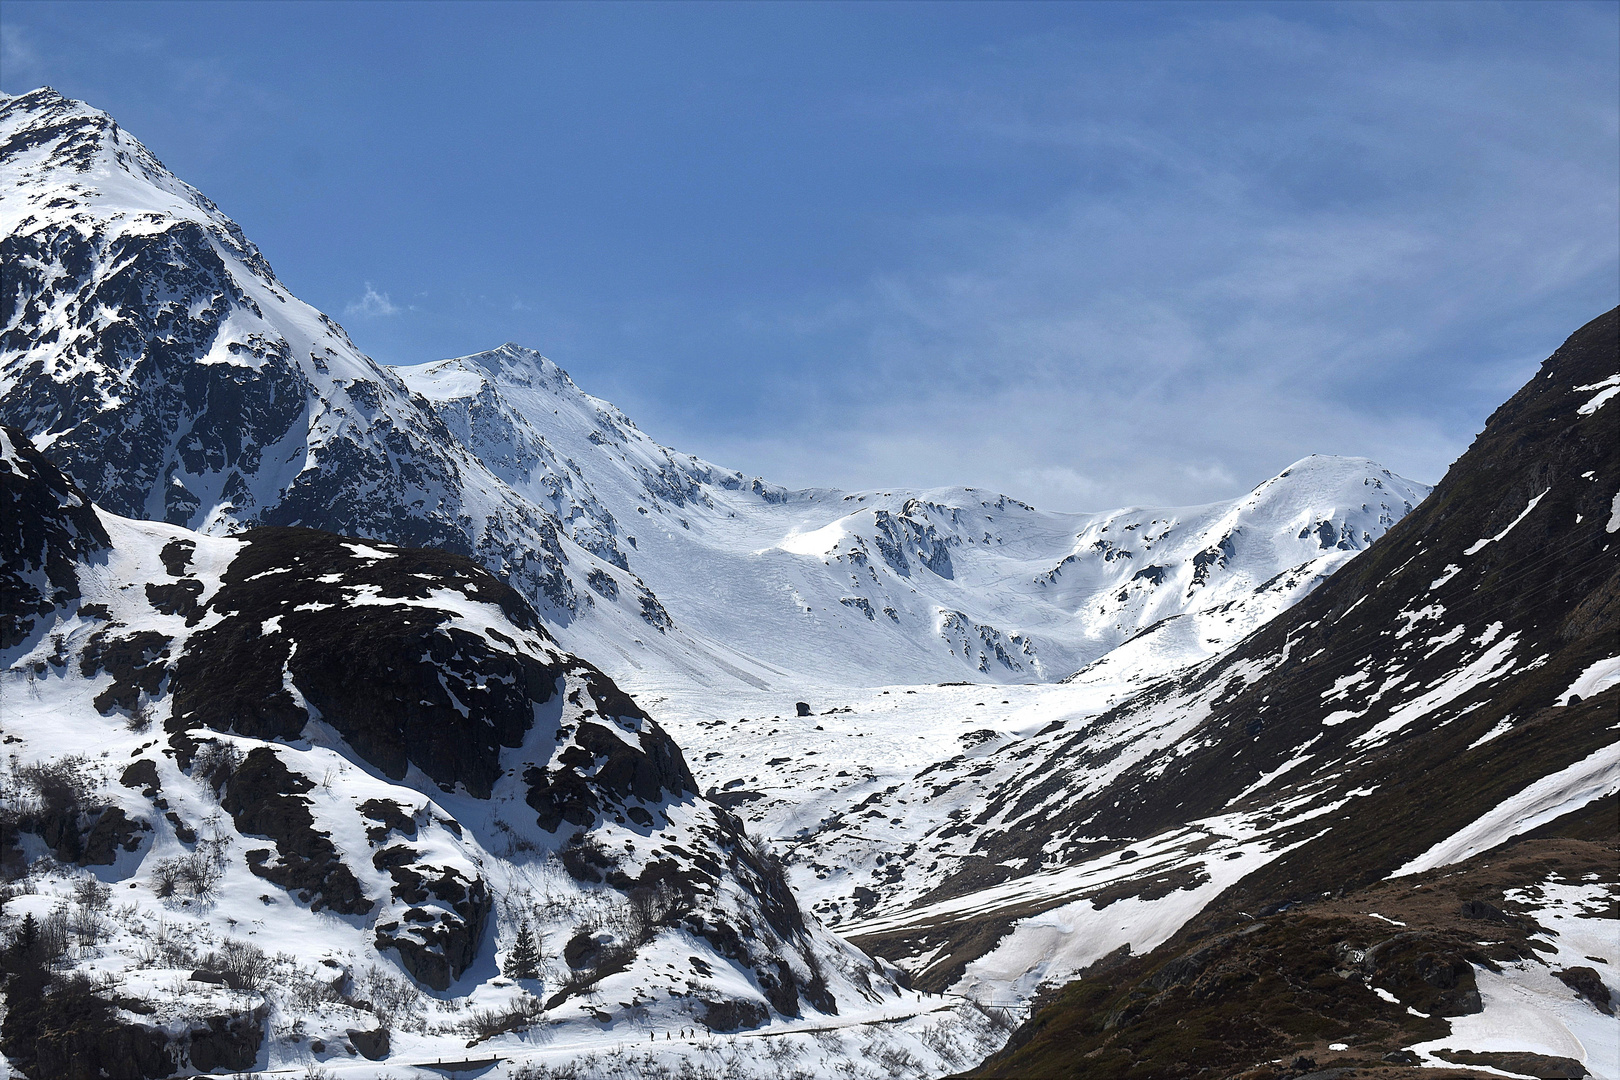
1597,678
1526,1009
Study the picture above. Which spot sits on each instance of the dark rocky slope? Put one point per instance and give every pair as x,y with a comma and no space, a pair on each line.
1271,998
1423,686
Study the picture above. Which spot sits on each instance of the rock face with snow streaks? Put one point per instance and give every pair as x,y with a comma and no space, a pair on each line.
1454,688
47,529
351,728
150,352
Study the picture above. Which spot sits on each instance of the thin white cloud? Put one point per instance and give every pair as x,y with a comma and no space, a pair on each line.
18,53
1364,262
371,305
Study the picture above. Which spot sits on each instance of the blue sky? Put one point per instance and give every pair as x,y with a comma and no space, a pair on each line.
1087,254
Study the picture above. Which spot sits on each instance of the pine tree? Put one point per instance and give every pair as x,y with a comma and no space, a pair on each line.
524,960
26,943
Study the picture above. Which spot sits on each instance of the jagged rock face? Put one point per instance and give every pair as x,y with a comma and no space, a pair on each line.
436,944
46,529
149,350
366,638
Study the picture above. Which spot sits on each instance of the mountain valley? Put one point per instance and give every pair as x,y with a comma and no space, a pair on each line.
326,682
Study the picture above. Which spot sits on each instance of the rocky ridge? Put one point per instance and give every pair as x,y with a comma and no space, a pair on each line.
1453,689
775,587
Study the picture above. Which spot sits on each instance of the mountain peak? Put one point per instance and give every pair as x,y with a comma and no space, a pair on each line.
515,365
63,160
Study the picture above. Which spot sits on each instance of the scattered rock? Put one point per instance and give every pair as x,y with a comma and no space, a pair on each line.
734,1015
1586,982
141,773
372,1045
227,1042
1541,1066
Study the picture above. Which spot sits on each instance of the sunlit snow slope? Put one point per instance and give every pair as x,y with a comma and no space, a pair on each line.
822,587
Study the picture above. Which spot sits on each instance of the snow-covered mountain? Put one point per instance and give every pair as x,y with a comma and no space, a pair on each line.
1165,751
293,797
150,352
869,588
1454,688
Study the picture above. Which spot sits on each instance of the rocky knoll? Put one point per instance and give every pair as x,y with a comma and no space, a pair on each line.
358,731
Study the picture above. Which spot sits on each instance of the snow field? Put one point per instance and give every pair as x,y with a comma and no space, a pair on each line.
1526,1009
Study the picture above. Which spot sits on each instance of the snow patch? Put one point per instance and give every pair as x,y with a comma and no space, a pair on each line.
365,551
1607,389
1450,572
1593,777
1479,545
1594,680
1501,728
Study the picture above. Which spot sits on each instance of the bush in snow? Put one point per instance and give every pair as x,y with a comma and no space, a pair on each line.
536,1071
397,1002
91,894
57,785
140,717
487,1023
303,990
87,927
215,762
243,964
194,875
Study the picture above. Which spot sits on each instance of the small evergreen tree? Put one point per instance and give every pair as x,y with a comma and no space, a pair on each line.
26,945
524,960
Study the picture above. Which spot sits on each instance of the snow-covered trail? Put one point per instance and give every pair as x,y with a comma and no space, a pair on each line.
593,1052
